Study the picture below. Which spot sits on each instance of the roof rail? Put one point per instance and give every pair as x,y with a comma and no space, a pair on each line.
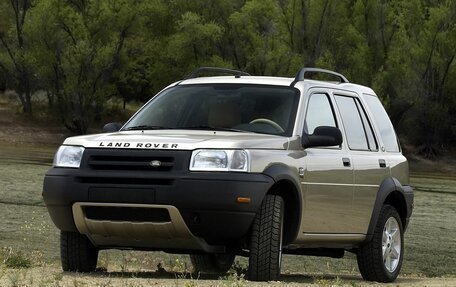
300,76
195,73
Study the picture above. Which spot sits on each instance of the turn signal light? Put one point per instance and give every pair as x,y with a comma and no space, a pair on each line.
243,200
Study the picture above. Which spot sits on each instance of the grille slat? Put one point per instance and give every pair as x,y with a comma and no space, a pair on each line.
126,163
114,162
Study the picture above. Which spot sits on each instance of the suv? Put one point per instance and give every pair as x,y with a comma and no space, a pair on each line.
239,165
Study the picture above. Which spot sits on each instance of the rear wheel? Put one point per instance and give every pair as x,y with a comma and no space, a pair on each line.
266,240
77,253
212,263
381,258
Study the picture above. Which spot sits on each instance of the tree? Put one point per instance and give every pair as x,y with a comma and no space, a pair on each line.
142,61
260,40
79,46
437,53
15,60
86,52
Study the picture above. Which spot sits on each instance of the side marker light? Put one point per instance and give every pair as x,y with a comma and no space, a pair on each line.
243,200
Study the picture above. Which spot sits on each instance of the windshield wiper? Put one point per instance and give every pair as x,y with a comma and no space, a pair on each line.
146,127
212,128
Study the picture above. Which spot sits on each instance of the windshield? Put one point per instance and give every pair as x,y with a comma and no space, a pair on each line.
239,108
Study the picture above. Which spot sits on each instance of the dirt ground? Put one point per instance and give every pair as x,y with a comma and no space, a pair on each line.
17,129
53,276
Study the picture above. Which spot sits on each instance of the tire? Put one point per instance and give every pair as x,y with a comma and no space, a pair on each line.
77,253
266,240
212,263
388,239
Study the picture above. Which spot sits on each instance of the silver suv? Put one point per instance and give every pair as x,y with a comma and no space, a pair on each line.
239,165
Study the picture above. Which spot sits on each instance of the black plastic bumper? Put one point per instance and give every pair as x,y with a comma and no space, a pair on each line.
408,195
206,200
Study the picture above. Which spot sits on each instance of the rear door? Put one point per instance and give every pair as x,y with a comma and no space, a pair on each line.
370,167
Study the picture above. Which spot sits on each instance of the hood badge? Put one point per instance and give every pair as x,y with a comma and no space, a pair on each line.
155,163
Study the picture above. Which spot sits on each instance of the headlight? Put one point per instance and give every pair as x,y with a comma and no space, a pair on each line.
68,156
219,160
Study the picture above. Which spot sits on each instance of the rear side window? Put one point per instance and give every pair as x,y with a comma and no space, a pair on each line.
384,124
319,113
357,129
373,145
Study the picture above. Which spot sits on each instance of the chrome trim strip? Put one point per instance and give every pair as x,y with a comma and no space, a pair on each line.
339,184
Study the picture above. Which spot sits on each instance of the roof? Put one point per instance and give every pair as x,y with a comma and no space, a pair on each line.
258,80
300,80
275,81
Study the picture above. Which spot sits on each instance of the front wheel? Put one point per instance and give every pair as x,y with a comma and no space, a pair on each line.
381,259
77,253
212,263
266,240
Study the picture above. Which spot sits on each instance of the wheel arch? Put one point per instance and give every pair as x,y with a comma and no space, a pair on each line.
288,186
390,192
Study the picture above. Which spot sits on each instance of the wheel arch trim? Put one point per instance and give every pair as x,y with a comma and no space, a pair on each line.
285,177
391,189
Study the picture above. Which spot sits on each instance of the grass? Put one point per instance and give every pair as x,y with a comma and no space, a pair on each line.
430,240
28,233
15,260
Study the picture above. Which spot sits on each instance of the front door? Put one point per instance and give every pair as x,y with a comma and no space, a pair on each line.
328,177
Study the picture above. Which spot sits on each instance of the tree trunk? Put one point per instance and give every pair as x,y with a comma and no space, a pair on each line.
28,102
50,98
317,46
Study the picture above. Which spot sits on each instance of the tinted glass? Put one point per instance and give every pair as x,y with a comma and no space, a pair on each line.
373,146
261,109
384,124
354,129
319,113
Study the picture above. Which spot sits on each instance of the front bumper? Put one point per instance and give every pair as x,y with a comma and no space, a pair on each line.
206,202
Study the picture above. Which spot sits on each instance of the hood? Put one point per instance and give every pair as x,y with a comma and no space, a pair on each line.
180,140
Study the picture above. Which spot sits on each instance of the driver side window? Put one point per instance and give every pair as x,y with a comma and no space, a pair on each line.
319,113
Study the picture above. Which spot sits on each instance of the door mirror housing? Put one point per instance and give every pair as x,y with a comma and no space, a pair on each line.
322,136
112,127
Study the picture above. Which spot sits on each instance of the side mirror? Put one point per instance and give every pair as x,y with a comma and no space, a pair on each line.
322,136
112,127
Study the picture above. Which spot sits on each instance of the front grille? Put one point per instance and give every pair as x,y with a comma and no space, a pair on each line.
131,214
131,167
114,162
135,160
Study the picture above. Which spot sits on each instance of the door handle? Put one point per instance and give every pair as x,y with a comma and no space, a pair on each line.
382,162
346,161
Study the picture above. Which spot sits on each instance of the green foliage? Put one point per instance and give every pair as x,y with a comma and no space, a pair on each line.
15,260
78,47
236,276
16,62
85,53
